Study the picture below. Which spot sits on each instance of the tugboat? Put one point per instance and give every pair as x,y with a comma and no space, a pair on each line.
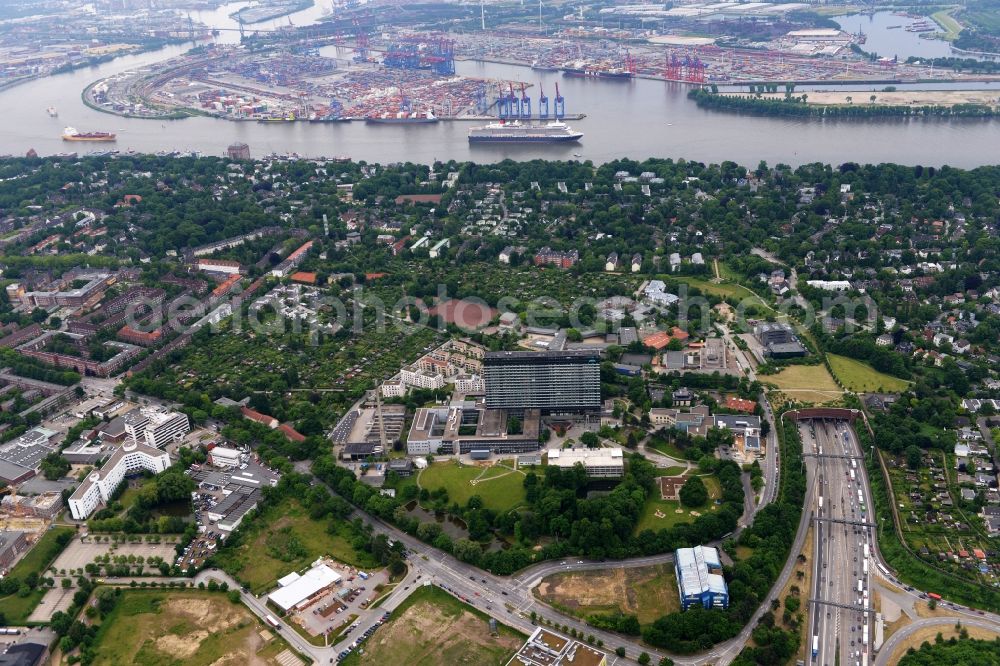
52,112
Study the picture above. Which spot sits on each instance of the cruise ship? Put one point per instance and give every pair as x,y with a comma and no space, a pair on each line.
515,132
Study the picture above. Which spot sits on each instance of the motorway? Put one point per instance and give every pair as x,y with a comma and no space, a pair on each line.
839,634
843,440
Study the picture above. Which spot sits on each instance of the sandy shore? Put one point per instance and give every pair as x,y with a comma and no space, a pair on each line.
898,98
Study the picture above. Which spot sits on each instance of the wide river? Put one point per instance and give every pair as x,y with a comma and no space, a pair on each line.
637,119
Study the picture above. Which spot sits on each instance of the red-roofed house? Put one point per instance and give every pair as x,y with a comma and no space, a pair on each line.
291,433
739,404
262,419
226,286
399,245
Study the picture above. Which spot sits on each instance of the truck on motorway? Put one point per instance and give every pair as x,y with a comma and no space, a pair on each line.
820,502
861,586
866,550
854,463
852,475
866,567
815,646
864,635
273,621
935,596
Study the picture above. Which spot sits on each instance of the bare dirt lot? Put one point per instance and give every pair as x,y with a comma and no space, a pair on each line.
647,592
188,627
438,629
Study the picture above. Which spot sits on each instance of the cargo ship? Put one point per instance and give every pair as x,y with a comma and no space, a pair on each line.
515,132
541,67
328,119
403,118
586,70
72,134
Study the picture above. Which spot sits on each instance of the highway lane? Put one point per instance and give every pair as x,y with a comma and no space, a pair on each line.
903,636
839,633
878,568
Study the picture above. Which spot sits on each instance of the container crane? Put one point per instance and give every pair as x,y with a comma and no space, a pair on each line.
543,103
558,104
525,104
514,102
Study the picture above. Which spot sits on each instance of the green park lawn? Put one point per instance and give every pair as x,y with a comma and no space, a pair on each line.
861,377
648,520
669,471
500,488
805,383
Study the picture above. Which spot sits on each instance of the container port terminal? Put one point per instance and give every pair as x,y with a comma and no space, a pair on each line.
353,70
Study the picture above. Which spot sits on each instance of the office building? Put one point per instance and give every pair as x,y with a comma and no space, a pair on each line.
155,428
467,426
130,459
699,578
564,381
599,463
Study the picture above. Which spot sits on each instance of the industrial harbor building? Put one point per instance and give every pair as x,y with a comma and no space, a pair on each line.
699,578
553,382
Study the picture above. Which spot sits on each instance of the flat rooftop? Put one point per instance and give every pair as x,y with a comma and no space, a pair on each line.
569,457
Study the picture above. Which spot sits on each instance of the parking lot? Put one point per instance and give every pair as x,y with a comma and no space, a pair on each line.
56,599
353,595
79,553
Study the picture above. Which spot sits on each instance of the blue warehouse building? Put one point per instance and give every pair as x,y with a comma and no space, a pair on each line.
699,578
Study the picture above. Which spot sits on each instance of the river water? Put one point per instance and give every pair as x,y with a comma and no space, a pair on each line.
637,119
888,41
